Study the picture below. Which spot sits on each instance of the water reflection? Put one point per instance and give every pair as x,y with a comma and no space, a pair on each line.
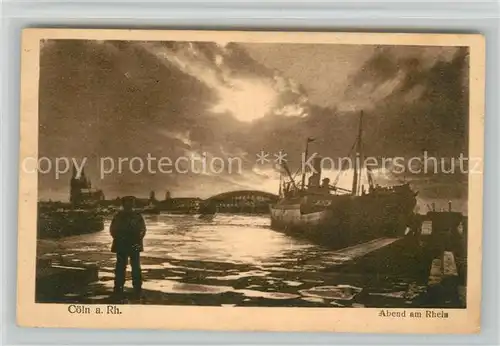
232,260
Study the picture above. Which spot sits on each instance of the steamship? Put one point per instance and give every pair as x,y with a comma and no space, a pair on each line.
338,217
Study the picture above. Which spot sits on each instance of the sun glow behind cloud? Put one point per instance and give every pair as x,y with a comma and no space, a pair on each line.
246,99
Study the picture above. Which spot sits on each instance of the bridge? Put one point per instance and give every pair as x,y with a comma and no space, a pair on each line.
243,201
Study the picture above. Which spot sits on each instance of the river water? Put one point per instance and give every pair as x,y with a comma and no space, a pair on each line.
236,260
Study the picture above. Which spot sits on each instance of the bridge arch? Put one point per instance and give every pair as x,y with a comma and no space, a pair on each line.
245,201
248,193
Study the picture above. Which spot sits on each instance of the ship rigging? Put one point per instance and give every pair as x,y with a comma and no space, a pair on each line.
336,215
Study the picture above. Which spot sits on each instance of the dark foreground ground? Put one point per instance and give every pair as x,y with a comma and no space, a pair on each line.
380,279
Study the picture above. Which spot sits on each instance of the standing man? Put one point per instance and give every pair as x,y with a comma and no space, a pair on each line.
128,230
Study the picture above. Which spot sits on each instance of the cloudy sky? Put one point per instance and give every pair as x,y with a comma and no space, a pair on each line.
125,99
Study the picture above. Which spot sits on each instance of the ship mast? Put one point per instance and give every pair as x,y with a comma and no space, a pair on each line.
303,182
357,176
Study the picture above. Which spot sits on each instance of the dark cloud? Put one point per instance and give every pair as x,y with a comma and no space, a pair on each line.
427,111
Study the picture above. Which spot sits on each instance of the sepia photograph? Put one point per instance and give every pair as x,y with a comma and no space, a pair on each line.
311,179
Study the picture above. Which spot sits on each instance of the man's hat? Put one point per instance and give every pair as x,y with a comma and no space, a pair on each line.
128,199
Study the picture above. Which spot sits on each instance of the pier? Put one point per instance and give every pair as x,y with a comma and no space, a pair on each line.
60,275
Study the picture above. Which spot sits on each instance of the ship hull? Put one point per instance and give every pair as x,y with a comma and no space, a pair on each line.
339,221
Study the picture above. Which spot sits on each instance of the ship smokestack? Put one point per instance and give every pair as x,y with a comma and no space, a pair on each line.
315,178
317,166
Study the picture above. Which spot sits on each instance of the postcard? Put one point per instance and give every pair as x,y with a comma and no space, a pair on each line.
251,181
